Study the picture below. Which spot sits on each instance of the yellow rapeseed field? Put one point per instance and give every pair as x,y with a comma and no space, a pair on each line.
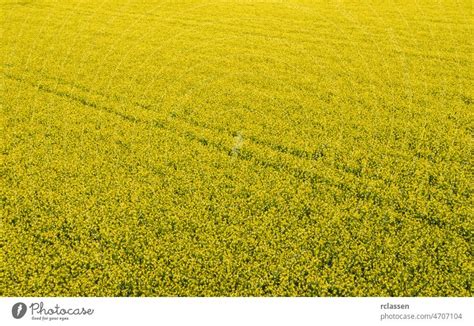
236,148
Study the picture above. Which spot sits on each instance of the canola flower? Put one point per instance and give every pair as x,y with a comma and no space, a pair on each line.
236,148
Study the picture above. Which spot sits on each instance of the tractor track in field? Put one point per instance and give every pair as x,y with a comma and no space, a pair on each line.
157,123
298,153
